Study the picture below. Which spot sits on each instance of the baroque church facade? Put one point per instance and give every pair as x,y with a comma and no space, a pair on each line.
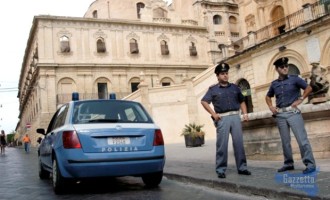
163,55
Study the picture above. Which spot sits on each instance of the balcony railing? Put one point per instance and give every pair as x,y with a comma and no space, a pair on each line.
234,34
219,33
309,13
189,22
161,20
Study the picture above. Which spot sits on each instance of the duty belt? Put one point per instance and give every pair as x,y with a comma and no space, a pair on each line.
236,112
287,109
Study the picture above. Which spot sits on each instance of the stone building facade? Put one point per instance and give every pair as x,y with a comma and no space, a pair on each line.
168,54
105,52
301,35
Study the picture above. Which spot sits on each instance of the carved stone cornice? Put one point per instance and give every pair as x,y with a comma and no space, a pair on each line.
133,35
163,37
64,32
191,39
99,34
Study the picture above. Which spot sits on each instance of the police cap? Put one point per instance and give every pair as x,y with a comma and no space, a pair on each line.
281,61
221,67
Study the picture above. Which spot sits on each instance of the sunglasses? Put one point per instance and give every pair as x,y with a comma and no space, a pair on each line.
283,66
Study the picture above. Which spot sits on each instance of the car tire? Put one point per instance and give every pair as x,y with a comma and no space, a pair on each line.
43,174
58,180
153,179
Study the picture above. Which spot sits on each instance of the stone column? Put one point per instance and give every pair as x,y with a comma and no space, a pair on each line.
191,101
261,17
215,52
307,12
224,51
143,87
252,38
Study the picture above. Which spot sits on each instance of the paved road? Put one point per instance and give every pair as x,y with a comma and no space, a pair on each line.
19,177
19,180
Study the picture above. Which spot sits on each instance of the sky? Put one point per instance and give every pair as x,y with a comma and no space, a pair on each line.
16,20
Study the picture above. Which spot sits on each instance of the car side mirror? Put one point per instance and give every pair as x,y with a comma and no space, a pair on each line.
41,131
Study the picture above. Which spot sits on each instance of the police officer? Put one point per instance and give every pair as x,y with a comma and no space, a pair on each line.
227,100
286,89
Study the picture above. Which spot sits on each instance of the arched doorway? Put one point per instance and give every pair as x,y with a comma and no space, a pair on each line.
65,87
293,70
278,18
103,87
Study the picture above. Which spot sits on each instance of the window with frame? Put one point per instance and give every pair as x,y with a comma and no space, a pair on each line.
102,90
164,48
35,55
216,19
100,46
134,86
139,6
166,83
159,13
232,20
95,14
65,44
277,15
192,49
133,45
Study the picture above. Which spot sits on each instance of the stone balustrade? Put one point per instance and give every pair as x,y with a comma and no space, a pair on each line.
262,140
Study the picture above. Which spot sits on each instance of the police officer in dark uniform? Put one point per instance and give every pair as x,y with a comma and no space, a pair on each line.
227,100
286,89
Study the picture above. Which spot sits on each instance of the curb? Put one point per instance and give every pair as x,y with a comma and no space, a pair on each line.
242,189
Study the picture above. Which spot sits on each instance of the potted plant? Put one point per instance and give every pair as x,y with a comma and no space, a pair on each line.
193,135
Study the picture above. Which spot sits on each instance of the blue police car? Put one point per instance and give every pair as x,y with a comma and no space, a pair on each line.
101,138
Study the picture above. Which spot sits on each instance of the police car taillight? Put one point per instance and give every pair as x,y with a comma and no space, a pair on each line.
158,138
71,140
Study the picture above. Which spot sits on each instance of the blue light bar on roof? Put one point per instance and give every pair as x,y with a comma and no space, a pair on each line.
75,96
112,96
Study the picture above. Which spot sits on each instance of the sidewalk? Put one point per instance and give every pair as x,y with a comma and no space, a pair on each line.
197,165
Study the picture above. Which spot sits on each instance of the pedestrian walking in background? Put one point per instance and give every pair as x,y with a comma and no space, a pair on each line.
3,142
287,90
227,100
26,142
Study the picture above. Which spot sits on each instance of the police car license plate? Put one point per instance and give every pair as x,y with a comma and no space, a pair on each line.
119,140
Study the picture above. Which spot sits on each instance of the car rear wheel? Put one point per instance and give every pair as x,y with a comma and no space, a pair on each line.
153,179
43,174
58,180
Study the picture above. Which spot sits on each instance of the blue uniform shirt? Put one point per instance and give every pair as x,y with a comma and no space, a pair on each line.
286,91
224,99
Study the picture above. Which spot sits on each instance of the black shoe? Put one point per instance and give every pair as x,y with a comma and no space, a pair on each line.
244,172
285,168
309,170
221,175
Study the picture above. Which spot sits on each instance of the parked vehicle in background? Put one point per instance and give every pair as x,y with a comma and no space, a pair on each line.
101,138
